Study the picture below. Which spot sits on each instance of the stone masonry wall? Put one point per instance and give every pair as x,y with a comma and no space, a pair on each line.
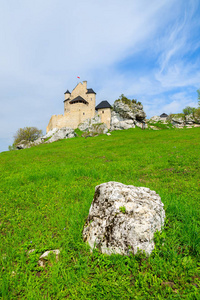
105,115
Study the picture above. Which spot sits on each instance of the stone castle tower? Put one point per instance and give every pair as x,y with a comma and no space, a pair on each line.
79,105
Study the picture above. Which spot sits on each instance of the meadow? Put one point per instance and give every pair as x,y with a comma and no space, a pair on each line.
45,196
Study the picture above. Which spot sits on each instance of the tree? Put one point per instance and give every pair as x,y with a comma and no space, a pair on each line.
198,92
28,134
189,110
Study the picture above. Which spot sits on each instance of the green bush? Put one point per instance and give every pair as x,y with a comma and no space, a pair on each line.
127,101
188,110
28,134
197,113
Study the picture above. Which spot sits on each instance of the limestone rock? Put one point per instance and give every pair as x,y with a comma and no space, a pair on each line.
118,123
154,119
53,135
22,145
123,218
49,134
98,129
62,133
124,110
93,127
126,116
85,126
187,121
95,130
44,256
177,120
140,124
133,111
191,120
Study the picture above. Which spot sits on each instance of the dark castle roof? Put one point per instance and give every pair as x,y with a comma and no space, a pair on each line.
163,115
103,104
90,91
78,99
67,92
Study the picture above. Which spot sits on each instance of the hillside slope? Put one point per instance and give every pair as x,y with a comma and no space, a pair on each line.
45,196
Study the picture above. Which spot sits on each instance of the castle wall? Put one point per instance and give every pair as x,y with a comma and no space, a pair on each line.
105,115
78,113
56,121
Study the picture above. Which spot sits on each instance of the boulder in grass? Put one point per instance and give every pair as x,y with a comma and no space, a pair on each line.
123,218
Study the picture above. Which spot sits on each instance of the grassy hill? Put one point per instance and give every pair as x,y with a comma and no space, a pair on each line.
45,196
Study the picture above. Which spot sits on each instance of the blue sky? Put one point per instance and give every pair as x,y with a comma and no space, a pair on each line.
148,50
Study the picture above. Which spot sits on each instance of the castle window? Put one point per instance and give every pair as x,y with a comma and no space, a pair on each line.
91,99
102,111
83,113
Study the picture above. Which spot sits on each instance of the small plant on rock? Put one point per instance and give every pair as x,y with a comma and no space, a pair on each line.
122,209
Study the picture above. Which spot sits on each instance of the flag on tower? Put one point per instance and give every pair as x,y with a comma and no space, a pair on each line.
78,77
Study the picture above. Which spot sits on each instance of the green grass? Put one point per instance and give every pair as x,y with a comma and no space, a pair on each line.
45,196
161,125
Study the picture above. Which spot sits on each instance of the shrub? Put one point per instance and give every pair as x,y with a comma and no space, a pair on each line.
11,147
198,92
28,134
189,110
127,101
197,113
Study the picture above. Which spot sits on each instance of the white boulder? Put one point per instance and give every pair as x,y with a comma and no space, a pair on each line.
123,218
86,125
63,133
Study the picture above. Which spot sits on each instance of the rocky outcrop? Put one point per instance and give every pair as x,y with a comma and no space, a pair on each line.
93,127
86,125
52,136
155,119
176,120
118,123
123,218
95,130
63,133
22,145
125,116
188,121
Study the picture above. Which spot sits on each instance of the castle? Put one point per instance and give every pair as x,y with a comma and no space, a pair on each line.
79,105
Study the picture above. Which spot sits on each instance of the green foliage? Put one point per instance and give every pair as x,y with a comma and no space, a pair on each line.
189,110
48,138
28,134
122,209
127,101
198,92
161,125
78,132
179,115
12,147
197,113
46,193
